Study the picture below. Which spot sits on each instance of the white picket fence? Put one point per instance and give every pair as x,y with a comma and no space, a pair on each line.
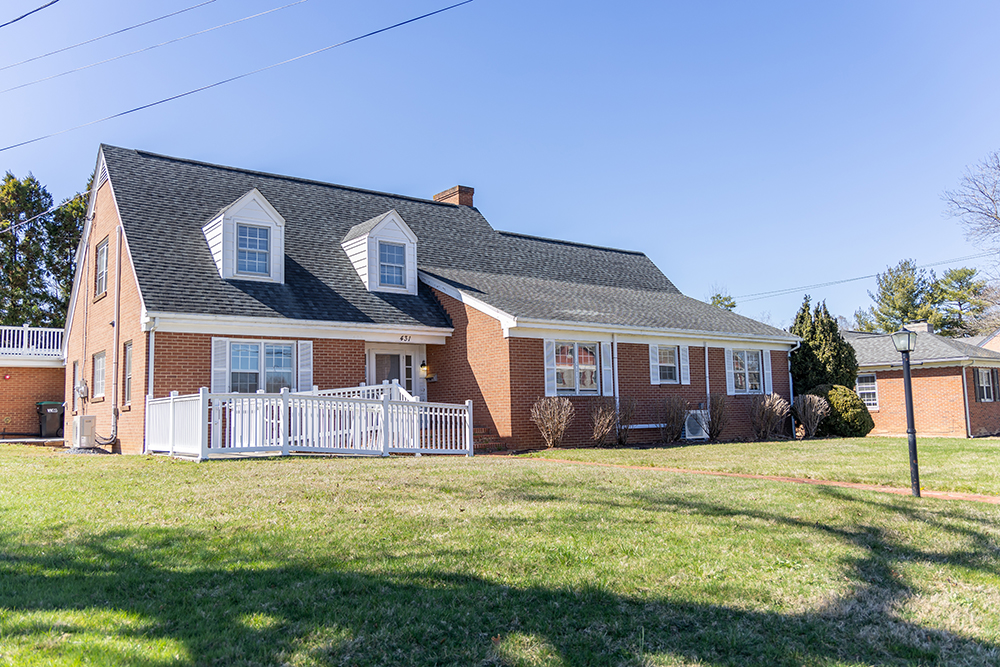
30,342
206,425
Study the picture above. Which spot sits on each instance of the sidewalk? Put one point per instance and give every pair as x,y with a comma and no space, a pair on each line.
944,495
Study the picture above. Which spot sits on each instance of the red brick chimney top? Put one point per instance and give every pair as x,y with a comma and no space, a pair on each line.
460,194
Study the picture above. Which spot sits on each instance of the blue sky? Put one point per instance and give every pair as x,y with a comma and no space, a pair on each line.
748,146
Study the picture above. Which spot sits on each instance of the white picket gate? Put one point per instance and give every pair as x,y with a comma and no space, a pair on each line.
207,425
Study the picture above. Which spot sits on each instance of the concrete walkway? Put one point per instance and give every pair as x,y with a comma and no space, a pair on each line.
944,495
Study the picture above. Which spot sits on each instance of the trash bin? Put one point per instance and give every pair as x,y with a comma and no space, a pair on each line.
50,418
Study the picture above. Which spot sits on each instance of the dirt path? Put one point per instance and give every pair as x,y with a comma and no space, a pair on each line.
945,495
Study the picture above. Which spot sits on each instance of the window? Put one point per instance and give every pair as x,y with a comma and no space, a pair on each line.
245,368
867,390
277,367
985,382
252,250
392,264
101,268
668,364
244,362
98,383
76,375
127,379
747,372
576,368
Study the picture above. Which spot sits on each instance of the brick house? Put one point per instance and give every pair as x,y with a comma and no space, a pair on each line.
31,370
955,384
196,275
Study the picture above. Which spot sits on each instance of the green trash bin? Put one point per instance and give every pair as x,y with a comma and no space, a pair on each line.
50,418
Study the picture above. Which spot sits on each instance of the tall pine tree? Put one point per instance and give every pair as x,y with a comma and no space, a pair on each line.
824,356
905,294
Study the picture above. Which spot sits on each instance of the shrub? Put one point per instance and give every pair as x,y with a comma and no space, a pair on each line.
672,418
603,417
767,413
552,416
810,410
623,427
849,416
716,419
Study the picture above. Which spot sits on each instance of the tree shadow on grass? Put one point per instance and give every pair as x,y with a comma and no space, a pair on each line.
217,611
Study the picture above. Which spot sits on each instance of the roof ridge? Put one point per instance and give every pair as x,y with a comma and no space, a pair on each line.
284,177
572,243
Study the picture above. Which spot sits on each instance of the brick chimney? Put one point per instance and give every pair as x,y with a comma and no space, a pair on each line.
923,326
460,194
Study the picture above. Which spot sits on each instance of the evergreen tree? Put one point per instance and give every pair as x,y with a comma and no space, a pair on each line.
824,357
963,301
905,294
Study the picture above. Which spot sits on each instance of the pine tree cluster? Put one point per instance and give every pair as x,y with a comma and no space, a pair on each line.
824,356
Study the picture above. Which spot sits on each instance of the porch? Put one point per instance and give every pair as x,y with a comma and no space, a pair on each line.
24,343
368,420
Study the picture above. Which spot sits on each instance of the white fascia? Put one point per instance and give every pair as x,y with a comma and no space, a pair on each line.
28,362
227,325
934,363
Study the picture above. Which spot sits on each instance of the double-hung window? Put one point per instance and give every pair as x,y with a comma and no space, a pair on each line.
248,361
391,264
127,378
747,372
668,363
252,250
867,390
98,384
101,269
576,368
987,392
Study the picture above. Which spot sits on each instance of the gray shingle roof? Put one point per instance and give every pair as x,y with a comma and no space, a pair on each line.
878,350
358,231
164,202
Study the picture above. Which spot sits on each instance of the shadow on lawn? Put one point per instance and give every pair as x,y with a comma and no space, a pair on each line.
325,614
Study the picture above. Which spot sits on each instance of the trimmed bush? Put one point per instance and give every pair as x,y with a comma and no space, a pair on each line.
672,418
767,413
849,416
552,416
810,410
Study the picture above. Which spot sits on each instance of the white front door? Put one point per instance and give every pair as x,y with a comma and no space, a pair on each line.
396,362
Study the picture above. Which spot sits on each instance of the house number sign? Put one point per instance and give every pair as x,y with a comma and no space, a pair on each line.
404,339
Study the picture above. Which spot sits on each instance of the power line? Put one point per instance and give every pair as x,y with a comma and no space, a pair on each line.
48,4
757,296
150,48
14,227
110,34
231,79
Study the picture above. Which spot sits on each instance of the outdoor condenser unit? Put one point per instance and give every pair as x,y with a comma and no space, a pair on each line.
693,429
84,430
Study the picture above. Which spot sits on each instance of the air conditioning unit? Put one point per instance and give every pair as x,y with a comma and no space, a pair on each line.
693,429
84,431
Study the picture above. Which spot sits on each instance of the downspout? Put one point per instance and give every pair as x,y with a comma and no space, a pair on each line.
708,388
110,440
965,400
791,389
614,357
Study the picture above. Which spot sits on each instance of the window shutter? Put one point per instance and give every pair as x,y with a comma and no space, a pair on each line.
607,370
685,365
220,365
975,383
550,368
993,383
765,356
305,365
730,382
654,364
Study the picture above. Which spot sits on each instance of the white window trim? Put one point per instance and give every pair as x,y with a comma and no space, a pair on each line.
402,246
101,269
677,364
297,356
599,351
746,373
270,248
127,378
99,387
874,389
985,373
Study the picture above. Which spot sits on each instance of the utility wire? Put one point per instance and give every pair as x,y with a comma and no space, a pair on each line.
14,227
234,78
22,16
150,48
110,34
791,290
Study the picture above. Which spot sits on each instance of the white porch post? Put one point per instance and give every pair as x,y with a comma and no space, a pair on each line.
468,425
203,423
385,424
284,421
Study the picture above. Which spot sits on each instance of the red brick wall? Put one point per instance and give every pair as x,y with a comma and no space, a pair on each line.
938,408
21,390
473,364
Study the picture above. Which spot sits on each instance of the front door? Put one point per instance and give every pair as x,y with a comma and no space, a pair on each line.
387,367
396,362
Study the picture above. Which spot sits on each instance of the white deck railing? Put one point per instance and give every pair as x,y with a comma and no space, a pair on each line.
206,425
31,342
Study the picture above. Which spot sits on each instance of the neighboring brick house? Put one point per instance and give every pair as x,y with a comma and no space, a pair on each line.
31,370
955,384
196,275
989,341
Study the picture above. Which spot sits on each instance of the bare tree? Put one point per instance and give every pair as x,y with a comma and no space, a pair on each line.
603,417
976,202
552,416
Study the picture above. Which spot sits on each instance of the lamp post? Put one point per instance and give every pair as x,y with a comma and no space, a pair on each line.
905,342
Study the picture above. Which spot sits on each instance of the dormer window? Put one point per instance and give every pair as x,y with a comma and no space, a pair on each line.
247,240
392,264
252,250
383,251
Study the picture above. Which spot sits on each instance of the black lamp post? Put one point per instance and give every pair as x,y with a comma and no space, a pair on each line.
905,342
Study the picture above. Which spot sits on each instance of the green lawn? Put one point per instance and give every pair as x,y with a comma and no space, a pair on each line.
110,560
946,464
